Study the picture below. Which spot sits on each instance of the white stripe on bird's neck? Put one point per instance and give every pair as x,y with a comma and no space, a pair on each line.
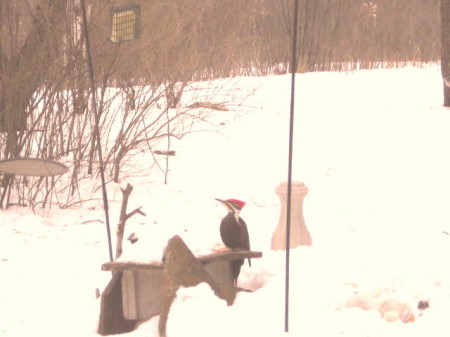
234,210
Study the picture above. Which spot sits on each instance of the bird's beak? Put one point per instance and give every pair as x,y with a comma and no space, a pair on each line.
225,203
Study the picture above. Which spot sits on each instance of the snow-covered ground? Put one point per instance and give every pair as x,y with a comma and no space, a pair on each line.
373,149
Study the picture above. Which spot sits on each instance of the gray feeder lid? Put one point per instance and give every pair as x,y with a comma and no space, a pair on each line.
32,167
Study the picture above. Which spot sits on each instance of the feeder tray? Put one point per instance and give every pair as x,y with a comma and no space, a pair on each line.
32,167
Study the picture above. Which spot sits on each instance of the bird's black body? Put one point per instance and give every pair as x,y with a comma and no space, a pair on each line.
234,234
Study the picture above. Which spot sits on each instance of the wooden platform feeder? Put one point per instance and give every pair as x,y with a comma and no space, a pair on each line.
141,282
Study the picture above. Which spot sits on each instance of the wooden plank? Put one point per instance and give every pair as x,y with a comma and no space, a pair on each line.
129,294
229,255
123,265
205,259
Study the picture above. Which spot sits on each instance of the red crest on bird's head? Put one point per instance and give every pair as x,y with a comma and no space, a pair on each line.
236,203
233,205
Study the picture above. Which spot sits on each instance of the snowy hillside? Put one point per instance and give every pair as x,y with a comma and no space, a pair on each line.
372,148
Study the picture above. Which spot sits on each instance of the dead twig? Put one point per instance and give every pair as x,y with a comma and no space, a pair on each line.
124,216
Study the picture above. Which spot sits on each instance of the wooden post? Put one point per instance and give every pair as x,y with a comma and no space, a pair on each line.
445,48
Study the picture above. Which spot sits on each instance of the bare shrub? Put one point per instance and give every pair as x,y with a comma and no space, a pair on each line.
147,92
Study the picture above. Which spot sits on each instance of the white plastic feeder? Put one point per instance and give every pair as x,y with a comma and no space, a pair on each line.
299,234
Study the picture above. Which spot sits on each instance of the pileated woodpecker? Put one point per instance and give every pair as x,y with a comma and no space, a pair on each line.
234,233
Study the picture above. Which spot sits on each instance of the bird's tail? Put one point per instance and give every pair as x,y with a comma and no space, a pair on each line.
235,266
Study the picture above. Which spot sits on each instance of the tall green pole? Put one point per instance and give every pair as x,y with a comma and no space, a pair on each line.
291,147
96,126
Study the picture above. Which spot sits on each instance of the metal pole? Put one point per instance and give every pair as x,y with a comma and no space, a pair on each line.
96,126
291,143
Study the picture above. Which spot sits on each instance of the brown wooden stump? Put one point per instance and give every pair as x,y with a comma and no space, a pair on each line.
183,269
